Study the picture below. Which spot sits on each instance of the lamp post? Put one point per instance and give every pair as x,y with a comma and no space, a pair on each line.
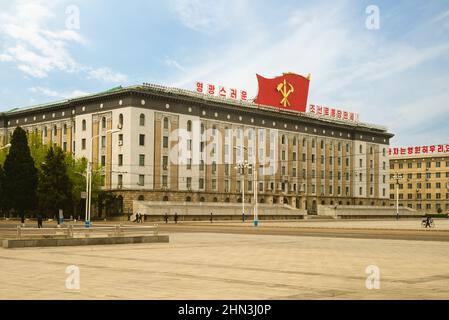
87,222
242,166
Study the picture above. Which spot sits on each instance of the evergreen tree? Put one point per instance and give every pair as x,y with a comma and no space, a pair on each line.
20,175
55,186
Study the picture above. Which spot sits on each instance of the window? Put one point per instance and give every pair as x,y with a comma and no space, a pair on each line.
189,183
142,119
165,142
141,160
64,146
360,149
83,126
83,144
283,154
294,156
214,184
189,164
360,163
438,185
64,130
201,183
165,162
303,157
120,120
189,144
141,179
120,160
165,123
164,181
141,139
438,164
214,167
410,165
103,123
103,141
103,161
189,126
120,179
120,138
438,175
102,180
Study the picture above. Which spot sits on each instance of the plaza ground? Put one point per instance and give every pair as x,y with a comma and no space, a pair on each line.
224,265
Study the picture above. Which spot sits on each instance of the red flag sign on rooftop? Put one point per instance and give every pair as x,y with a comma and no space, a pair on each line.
289,91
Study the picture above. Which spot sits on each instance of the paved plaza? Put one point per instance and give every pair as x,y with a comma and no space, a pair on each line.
231,266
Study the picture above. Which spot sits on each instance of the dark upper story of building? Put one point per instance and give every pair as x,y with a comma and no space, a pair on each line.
166,99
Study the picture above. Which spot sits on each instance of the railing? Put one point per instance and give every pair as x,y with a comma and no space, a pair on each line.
81,232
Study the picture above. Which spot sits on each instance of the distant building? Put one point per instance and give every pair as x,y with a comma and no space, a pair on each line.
423,182
170,144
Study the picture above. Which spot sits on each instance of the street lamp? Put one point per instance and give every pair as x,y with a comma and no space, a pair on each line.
87,222
242,166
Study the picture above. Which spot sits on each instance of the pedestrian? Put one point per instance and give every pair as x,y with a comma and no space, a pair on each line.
166,217
39,220
176,217
243,216
211,218
22,219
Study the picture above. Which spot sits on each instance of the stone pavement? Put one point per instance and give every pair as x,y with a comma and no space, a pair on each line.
229,266
390,224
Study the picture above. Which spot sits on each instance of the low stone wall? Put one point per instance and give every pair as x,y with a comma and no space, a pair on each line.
155,211
48,242
341,211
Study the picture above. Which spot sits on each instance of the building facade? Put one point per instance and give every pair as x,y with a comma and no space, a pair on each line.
420,181
154,143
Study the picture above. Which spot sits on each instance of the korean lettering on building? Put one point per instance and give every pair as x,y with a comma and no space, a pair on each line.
333,113
214,90
405,151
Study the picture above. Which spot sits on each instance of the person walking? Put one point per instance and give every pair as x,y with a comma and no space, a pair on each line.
176,217
243,216
166,217
211,217
39,221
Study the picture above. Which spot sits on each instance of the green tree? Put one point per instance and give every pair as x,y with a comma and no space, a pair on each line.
20,175
55,186
38,150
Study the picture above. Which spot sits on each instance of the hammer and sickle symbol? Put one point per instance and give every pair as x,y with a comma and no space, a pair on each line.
282,88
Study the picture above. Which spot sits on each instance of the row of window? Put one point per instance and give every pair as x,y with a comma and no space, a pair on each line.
419,196
419,185
418,165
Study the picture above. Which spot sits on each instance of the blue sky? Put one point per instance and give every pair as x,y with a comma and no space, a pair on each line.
397,75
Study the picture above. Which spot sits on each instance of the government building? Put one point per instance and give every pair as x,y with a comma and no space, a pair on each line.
154,143
419,178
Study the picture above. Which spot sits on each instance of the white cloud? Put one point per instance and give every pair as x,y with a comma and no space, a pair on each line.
38,50
107,75
56,94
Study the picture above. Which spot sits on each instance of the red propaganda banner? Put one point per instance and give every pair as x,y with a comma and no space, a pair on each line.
289,91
